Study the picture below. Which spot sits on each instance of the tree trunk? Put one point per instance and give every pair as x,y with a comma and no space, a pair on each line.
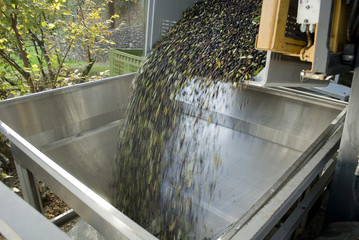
41,44
89,58
111,13
62,63
23,54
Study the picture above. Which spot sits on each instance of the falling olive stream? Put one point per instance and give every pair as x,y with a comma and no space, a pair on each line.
213,42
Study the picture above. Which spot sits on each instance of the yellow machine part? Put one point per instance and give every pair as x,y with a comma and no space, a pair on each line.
338,36
272,29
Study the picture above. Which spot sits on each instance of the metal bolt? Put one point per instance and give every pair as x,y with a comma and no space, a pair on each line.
303,27
306,20
311,28
307,7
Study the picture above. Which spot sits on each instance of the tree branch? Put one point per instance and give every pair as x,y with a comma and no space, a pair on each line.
62,62
19,42
23,53
25,74
41,44
9,81
11,61
89,59
39,60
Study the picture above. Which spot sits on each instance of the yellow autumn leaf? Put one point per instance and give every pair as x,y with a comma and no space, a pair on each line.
51,25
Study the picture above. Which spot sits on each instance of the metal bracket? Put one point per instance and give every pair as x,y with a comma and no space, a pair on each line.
18,220
293,221
343,204
308,11
282,70
28,183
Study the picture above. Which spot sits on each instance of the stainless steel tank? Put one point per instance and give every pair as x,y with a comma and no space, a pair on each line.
67,137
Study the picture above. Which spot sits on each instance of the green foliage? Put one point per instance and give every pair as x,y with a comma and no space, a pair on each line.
36,37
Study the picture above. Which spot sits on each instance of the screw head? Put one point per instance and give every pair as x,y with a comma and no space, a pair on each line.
307,7
306,20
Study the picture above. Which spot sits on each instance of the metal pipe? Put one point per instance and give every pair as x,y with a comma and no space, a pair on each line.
309,45
64,218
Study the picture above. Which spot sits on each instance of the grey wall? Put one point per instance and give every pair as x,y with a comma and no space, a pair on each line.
157,12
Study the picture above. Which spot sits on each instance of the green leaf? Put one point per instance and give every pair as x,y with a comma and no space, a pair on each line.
5,176
258,70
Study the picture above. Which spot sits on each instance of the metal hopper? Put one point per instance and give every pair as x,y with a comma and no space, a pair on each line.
267,139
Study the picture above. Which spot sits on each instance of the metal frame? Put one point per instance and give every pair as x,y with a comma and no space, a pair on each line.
282,70
28,184
158,10
343,202
273,211
90,206
294,220
257,223
109,221
322,51
324,60
18,220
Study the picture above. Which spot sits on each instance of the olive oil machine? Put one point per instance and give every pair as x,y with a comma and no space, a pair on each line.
284,143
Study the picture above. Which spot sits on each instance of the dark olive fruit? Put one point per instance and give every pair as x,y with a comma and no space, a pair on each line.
214,41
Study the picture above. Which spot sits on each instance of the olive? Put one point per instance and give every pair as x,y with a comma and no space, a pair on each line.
213,42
